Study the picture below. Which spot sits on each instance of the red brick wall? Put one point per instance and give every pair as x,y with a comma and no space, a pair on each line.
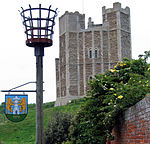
134,126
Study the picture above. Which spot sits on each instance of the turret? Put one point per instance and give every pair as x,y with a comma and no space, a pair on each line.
71,22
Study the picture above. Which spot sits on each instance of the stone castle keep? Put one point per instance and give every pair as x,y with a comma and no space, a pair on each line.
86,52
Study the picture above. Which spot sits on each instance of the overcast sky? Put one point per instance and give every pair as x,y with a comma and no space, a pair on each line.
17,61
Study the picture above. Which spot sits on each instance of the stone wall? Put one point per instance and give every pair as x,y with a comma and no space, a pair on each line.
125,34
113,46
134,126
105,51
57,78
126,44
98,47
112,19
125,21
72,63
62,61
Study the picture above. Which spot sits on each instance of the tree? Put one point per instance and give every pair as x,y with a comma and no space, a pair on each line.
58,128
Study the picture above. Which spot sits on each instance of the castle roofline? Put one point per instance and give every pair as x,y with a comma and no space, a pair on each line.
116,7
72,13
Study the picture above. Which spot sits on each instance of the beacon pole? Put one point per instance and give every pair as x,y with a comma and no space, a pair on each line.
39,53
39,32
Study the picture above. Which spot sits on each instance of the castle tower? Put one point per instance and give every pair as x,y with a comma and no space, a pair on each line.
86,52
117,37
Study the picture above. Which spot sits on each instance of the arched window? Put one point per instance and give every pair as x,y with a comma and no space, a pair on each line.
96,53
90,53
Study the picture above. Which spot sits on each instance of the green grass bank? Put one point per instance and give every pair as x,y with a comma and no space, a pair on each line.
24,132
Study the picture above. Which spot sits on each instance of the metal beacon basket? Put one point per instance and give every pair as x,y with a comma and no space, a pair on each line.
39,23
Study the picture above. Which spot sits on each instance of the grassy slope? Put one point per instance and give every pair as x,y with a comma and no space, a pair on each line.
24,132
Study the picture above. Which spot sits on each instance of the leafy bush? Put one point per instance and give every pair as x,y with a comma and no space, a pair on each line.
111,94
58,128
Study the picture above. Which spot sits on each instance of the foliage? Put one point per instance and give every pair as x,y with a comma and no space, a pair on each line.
48,105
58,128
111,94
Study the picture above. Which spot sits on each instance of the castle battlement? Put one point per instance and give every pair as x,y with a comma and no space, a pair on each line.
116,7
71,22
72,13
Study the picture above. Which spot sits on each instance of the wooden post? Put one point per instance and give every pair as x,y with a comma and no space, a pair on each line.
39,53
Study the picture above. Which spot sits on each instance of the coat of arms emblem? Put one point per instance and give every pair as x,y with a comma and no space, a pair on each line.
16,107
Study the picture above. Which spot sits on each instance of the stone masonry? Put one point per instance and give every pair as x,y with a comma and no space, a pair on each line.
86,52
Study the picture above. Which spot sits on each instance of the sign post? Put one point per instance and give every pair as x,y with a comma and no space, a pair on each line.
39,94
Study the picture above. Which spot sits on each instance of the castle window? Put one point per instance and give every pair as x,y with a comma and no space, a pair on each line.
90,53
96,54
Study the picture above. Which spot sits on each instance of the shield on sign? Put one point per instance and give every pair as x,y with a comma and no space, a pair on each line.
16,107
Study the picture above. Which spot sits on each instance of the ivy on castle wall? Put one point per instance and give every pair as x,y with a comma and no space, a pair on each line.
111,94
